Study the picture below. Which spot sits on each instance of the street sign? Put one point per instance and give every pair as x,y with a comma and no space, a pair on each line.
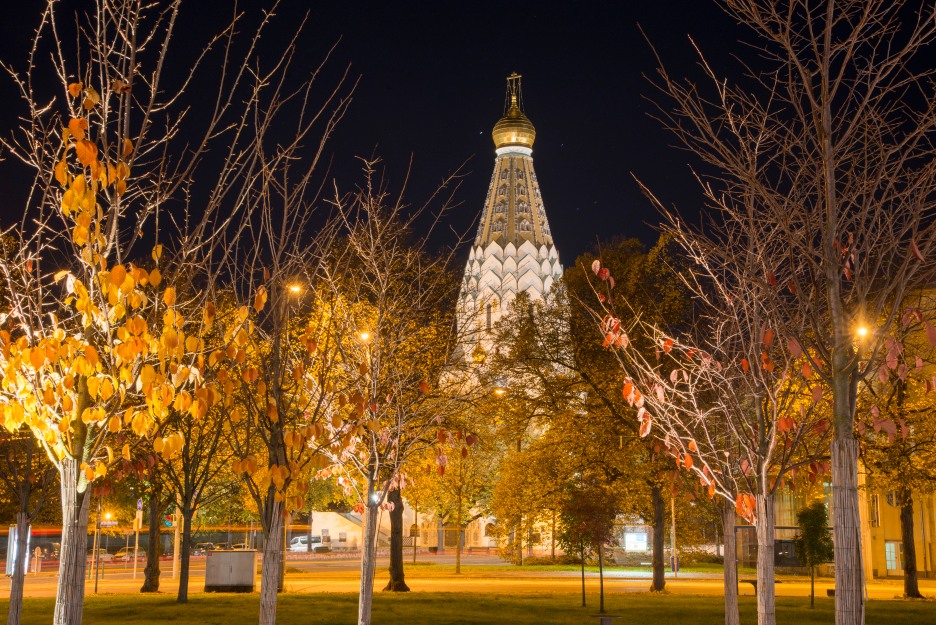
139,504
108,523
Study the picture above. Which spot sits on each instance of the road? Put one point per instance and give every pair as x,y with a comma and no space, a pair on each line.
485,574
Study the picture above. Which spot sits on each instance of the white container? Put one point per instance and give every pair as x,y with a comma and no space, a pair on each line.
231,571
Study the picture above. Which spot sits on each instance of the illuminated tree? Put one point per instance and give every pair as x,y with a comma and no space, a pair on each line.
399,307
896,424
822,155
102,336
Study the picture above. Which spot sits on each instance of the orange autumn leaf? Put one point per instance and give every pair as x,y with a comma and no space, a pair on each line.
86,152
127,148
77,126
74,89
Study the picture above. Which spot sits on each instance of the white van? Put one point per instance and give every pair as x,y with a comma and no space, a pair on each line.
300,544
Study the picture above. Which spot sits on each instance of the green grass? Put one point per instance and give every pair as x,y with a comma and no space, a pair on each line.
458,609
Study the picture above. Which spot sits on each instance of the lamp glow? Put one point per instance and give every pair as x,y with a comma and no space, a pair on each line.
364,336
295,289
862,331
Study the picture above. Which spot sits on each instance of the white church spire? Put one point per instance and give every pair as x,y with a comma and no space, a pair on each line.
513,251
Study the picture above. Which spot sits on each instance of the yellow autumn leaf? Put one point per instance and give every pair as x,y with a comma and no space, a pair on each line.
159,444
120,187
113,424
126,452
110,454
61,173
155,277
93,385
100,469
157,252
107,390
127,148
74,89
169,296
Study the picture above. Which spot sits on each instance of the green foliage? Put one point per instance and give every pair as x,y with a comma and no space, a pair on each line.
813,542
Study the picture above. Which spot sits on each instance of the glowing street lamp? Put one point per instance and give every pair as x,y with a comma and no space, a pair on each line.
862,332
364,336
295,289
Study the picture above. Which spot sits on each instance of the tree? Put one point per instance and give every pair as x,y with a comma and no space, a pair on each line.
821,154
813,542
897,430
588,515
26,477
94,343
720,396
404,387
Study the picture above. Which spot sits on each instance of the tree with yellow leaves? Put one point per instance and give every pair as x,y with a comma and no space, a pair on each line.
99,336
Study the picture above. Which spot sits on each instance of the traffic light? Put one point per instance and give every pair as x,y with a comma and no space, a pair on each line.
169,520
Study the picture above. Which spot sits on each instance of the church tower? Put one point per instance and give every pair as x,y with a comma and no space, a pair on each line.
513,251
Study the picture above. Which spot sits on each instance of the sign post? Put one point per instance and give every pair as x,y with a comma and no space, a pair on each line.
137,524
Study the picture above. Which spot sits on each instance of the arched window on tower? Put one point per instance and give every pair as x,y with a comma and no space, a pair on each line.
497,226
500,208
525,226
521,190
522,207
502,190
503,175
520,174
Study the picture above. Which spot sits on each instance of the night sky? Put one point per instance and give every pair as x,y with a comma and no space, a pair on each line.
432,77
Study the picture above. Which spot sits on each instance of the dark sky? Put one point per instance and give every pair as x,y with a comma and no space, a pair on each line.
432,78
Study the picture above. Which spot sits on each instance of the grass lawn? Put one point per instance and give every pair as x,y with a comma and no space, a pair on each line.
459,609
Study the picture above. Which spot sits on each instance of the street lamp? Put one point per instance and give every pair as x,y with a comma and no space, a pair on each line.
364,336
862,332
295,288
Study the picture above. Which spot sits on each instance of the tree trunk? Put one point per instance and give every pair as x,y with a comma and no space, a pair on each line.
416,523
270,571
846,529
731,563
911,586
440,535
154,546
184,554
659,525
397,581
368,563
552,532
69,598
458,539
766,593
582,551
812,587
600,580
19,570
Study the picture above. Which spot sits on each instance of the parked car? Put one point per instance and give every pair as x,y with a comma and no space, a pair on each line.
202,548
126,553
240,547
300,544
102,554
222,547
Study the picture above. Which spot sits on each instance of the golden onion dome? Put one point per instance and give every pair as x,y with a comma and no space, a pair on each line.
514,128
